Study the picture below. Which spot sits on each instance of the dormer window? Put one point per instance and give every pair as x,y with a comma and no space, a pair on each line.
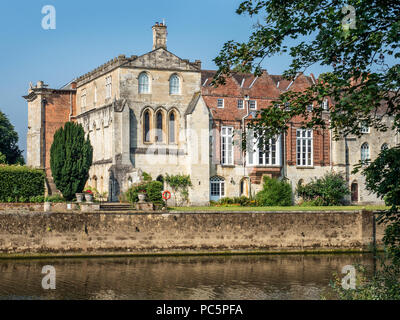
144,84
174,85
253,105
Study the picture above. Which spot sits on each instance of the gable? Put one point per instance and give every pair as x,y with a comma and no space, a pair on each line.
163,59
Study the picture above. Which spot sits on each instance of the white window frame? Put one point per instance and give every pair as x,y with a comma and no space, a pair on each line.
364,128
143,88
325,104
255,104
253,153
365,152
218,103
304,141
227,150
174,85
240,104
217,184
108,87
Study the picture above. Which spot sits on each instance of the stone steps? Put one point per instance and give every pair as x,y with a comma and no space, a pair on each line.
116,207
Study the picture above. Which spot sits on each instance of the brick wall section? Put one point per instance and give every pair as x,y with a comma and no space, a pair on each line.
57,112
264,90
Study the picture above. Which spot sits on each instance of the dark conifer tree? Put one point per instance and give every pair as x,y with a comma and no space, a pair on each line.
71,157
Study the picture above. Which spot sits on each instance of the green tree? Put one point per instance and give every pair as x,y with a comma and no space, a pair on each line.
9,142
71,156
358,40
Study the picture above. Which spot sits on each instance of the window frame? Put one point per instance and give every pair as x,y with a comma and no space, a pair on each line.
217,184
306,145
227,148
255,104
242,104
255,154
365,148
144,85
176,86
108,87
218,103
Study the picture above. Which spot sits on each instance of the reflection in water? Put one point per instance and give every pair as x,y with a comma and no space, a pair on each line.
172,278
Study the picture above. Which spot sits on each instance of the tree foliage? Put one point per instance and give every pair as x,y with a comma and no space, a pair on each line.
360,52
71,156
9,150
274,193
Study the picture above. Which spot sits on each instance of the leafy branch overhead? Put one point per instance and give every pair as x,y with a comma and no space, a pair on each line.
358,40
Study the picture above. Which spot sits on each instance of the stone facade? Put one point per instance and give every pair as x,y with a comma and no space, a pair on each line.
160,114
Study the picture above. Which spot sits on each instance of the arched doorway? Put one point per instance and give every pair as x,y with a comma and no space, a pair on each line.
354,192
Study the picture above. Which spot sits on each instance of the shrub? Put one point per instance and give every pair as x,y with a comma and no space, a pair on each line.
179,183
330,189
54,199
152,189
71,156
18,182
236,201
275,193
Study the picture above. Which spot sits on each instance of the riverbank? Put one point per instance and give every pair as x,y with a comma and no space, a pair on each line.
182,233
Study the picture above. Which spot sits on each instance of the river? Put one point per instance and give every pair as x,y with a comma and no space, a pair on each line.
268,277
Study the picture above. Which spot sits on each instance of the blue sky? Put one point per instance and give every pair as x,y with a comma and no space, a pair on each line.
90,33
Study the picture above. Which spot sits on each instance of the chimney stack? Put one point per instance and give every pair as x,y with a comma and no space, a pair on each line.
160,36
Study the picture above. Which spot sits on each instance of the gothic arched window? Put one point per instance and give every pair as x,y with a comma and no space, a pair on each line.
365,152
174,86
160,127
146,127
172,128
144,85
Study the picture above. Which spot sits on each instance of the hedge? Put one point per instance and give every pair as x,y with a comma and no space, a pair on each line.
18,182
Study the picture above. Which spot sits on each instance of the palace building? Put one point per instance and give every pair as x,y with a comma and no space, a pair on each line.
160,114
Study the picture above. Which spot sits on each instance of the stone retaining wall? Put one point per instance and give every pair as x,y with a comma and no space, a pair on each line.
190,232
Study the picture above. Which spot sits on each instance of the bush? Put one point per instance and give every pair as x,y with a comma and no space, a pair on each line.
19,183
54,199
152,189
237,201
274,193
331,189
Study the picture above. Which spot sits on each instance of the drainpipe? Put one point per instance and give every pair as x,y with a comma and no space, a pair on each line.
246,99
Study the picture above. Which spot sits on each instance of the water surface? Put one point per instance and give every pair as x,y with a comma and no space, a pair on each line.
266,277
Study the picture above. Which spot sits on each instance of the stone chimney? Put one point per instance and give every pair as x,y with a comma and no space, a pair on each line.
160,36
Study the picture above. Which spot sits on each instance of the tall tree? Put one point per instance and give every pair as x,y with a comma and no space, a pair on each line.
71,156
9,142
359,40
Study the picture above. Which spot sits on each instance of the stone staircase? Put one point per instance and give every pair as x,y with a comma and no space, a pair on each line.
115,207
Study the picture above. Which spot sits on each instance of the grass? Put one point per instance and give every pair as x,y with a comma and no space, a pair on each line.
291,208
